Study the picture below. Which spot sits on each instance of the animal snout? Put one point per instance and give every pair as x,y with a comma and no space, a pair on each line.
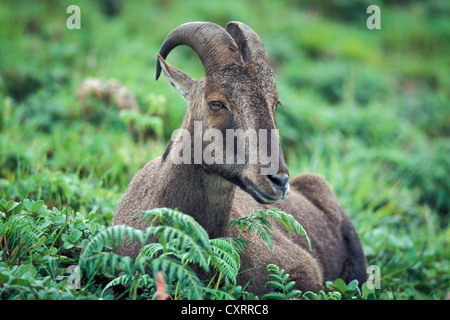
279,182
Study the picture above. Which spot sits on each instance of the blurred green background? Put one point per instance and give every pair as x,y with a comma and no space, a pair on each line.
367,109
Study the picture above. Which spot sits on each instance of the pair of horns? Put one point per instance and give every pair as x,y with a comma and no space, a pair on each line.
215,45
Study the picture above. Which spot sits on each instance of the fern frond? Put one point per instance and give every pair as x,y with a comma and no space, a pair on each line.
226,256
218,294
90,260
274,296
238,244
115,234
126,280
179,234
294,294
145,280
289,286
151,250
109,263
181,241
282,285
260,221
254,222
175,271
178,220
276,277
333,295
109,260
276,285
287,220
121,280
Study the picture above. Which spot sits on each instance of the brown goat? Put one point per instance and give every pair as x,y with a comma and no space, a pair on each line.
238,91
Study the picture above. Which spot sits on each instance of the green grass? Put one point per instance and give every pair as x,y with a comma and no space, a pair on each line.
367,109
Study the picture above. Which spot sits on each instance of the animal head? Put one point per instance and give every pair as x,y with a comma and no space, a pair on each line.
231,110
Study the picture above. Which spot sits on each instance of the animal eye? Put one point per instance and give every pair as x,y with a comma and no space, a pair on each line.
278,104
216,105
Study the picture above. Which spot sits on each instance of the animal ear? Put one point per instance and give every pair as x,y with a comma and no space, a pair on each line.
176,78
250,44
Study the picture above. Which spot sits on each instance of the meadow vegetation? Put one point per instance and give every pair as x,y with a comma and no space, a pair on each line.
367,109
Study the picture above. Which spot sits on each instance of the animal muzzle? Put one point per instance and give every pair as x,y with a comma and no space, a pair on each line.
268,189
280,183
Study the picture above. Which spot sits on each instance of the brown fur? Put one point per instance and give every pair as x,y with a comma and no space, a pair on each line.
214,194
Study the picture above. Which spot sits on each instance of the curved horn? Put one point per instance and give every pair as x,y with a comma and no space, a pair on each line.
211,42
250,44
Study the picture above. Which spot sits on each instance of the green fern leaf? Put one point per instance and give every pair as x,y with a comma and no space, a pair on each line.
254,222
281,284
276,285
273,296
122,280
273,268
183,242
178,220
218,294
151,250
289,286
226,256
115,234
276,277
287,220
175,271
260,222
294,294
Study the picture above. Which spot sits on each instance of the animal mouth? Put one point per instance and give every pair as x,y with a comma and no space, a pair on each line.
262,196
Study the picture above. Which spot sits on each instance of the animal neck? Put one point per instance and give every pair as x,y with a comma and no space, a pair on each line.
205,196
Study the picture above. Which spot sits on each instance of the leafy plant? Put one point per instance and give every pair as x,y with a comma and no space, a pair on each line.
34,253
309,295
284,288
25,282
351,291
226,257
182,249
260,222
373,121
182,242
17,239
9,208
50,240
339,290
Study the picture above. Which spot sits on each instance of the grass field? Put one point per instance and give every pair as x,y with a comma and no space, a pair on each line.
367,109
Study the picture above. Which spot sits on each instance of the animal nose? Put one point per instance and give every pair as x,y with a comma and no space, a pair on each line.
279,182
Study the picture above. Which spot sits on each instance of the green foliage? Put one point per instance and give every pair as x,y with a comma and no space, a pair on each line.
226,253
24,282
260,222
31,233
181,244
351,291
38,245
366,109
339,290
284,288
